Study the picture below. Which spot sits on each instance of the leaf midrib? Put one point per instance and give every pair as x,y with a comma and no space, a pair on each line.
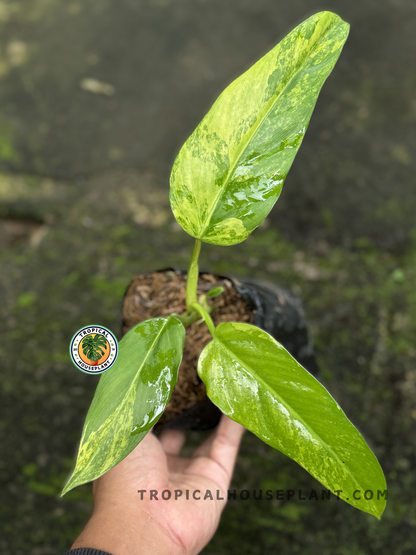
255,129
286,405
122,402
74,479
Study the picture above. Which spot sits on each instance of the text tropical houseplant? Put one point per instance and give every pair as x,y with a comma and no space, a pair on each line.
224,182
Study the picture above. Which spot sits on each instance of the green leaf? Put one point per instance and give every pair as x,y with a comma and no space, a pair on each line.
91,346
257,383
231,170
130,397
215,292
101,340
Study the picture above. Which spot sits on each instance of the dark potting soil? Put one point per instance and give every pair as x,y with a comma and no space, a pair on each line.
162,293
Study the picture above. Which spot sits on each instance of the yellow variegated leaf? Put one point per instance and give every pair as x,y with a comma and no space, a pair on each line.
256,382
130,397
231,170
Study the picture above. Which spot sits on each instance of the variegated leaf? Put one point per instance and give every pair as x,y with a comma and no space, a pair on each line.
231,170
256,382
130,397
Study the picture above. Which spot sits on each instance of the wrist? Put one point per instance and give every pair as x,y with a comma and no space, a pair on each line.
114,533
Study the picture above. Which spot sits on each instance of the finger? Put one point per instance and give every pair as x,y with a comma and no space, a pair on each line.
172,441
204,449
222,446
226,443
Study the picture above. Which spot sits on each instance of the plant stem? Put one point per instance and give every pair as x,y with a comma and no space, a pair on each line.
192,278
186,318
207,318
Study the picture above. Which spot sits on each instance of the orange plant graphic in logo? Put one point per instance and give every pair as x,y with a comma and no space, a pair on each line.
94,349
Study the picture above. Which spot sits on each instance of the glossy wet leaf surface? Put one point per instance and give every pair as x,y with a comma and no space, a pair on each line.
130,397
256,382
231,170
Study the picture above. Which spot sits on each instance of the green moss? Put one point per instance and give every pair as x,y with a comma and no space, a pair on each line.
25,300
361,304
8,153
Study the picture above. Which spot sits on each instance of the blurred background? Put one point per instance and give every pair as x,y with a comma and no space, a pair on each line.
96,98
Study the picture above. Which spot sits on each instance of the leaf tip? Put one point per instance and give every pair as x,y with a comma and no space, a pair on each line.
70,484
67,488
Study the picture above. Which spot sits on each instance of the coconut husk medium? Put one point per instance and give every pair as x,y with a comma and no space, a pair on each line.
162,293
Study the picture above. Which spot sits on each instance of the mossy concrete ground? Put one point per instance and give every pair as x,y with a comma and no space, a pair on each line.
73,270
84,206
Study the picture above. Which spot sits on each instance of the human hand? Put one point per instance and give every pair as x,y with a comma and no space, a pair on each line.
124,524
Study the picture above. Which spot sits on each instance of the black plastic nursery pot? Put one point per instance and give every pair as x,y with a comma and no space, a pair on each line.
269,307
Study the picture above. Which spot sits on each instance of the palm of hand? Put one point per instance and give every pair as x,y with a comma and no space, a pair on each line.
156,465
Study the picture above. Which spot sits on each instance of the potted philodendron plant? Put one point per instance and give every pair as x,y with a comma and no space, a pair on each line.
224,182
